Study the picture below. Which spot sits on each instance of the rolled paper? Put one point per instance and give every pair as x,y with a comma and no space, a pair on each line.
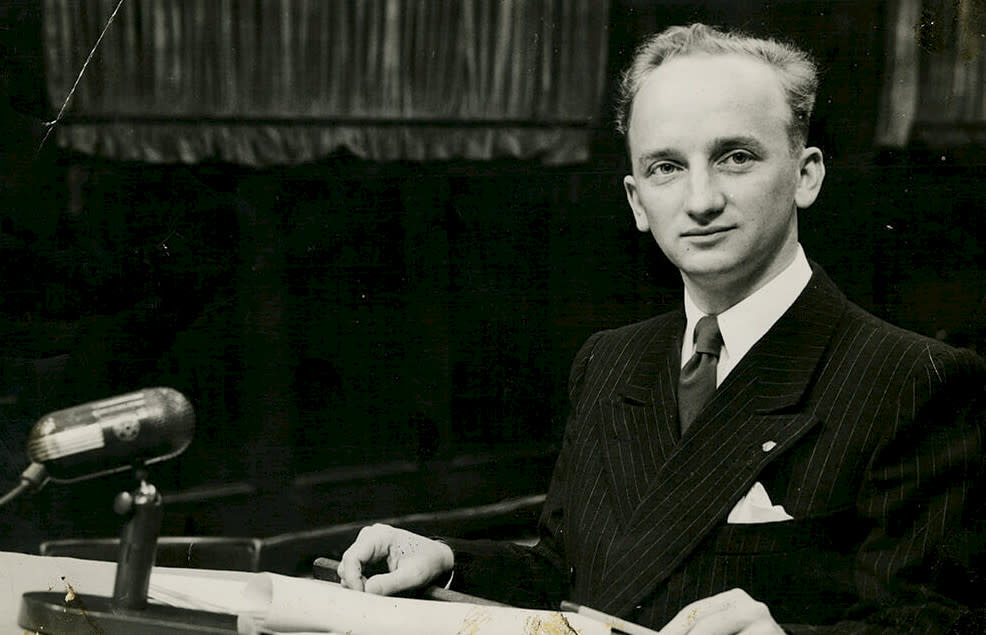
284,604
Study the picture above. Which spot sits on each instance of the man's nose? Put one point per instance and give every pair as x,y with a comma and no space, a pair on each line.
705,197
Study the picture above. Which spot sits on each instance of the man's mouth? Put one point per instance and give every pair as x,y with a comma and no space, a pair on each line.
705,231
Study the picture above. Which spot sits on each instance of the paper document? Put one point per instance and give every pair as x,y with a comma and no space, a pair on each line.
195,592
282,604
271,603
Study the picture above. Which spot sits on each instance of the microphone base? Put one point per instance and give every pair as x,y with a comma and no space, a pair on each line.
48,612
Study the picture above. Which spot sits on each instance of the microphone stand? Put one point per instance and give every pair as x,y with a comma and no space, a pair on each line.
128,611
138,542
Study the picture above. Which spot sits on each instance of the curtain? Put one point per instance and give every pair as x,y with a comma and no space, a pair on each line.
262,82
934,90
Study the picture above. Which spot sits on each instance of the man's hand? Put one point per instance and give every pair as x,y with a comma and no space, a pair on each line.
413,560
730,613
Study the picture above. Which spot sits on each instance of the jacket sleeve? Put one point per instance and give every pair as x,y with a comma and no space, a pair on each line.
531,577
922,498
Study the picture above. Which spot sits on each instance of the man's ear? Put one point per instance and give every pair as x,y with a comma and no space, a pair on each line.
639,216
811,173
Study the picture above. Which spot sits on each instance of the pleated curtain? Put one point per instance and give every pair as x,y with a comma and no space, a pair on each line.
934,88
269,82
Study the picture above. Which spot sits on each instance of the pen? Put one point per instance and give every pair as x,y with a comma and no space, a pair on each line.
610,620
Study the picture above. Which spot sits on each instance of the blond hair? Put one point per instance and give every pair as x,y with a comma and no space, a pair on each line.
795,69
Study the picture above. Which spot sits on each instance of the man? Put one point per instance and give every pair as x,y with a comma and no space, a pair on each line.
825,482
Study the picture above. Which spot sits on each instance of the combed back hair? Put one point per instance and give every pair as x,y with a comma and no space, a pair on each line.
795,68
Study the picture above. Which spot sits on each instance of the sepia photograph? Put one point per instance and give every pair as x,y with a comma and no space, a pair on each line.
493,316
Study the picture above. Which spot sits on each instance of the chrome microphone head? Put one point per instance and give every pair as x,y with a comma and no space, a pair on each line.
112,435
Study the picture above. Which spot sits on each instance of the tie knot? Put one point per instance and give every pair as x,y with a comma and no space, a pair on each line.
708,339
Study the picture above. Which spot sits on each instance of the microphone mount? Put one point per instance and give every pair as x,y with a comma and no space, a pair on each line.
168,419
143,510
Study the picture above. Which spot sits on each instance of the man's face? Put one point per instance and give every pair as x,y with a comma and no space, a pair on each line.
714,177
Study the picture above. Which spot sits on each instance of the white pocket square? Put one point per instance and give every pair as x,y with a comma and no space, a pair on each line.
756,508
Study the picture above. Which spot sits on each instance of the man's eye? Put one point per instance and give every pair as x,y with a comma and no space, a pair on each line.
664,169
740,157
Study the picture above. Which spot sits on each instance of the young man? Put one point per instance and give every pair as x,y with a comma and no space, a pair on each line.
770,454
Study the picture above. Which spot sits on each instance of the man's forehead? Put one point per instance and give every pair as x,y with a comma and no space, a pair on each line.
727,76
723,95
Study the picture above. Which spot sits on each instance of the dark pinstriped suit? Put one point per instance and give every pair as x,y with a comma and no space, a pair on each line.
878,446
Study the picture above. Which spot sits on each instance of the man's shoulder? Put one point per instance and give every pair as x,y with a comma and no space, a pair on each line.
623,343
872,337
635,335
658,323
869,339
611,356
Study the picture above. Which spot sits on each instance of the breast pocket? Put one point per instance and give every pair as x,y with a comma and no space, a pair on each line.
835,530
764,538
796,567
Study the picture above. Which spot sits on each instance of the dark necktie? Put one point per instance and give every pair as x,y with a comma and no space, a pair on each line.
698,376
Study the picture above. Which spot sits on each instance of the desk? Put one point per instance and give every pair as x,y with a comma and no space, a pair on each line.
277,602
20,573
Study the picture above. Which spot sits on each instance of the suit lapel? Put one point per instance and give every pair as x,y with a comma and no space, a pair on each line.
775,372
752,418
639,422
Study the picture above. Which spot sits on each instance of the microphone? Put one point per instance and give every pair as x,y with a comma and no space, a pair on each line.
102,437
112,435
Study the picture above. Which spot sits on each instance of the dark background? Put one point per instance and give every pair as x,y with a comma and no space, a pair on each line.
365,339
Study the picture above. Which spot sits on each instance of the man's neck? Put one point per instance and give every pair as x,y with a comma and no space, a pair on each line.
713,301
716,293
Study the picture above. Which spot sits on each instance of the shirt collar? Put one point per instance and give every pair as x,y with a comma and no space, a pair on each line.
744,323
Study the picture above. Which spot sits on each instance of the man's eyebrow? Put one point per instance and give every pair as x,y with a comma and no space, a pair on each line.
724,144
658,154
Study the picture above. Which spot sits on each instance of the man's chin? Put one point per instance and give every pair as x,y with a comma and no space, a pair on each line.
725,278
706,267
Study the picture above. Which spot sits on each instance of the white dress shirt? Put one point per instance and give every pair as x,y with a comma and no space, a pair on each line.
744,323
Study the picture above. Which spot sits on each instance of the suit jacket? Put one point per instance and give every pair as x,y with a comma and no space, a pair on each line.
869,436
